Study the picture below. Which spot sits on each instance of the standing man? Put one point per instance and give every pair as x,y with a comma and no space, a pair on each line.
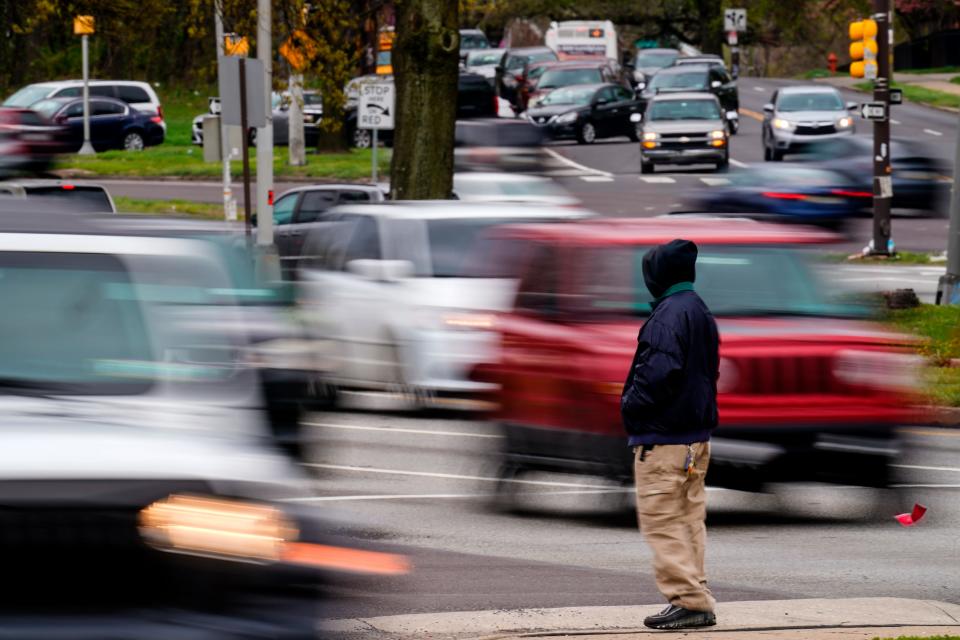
669,408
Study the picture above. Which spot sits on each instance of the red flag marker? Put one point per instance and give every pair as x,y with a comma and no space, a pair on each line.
912,518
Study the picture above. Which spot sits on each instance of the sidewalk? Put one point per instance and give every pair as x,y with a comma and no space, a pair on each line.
814,619
934,81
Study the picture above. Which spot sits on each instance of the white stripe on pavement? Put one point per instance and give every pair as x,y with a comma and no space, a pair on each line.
713,182
576,165
737,163
932,132
450,476
759,89
892,121
596,178
925,486
351,427
657,179
926,468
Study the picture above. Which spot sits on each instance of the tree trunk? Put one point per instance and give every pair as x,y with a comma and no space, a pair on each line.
425,63
295,133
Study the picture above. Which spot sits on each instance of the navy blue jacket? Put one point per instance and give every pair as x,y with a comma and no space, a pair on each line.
670,395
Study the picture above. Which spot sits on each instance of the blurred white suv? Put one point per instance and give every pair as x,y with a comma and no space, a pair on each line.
404,293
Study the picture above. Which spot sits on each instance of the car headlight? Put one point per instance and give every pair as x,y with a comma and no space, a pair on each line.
878,369
216,527
717,135
651,136
786,125
845,122
567,118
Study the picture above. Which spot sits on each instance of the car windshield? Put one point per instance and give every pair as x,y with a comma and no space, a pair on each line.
47,108
312,99
79,198
484,58
819,101
655,59
69,326
566,77
684,110
473,41
694,80
27,96
570,95
454,244
733,281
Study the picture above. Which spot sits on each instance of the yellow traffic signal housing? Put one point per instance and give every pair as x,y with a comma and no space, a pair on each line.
863,49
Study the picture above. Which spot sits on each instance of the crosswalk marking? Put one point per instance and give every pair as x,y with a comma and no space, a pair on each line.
657,179
596,178
713,182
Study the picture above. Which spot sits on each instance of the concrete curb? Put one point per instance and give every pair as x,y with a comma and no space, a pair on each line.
808,619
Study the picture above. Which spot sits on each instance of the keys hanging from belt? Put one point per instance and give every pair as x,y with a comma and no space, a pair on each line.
688,463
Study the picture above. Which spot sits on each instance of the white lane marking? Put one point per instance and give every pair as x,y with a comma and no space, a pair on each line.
675,205
925,486
892,121
576,165
596,178
713,182
649,208
450,496
761,89
926,468
450,476
932,132
657,179
351,427
737,163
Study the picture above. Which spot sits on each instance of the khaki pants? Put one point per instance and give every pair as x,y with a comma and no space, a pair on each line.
672,508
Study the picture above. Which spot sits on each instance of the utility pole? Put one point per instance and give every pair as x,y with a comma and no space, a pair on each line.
229,204
882,179
948,291
297,150
265,135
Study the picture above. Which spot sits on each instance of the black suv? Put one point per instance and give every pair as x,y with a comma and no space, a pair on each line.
699,77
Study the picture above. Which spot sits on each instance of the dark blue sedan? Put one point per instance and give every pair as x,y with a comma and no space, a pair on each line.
113,124
803,195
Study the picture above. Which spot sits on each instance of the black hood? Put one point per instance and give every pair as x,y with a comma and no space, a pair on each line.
668,264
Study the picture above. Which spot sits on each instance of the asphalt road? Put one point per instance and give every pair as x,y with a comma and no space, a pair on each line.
423,486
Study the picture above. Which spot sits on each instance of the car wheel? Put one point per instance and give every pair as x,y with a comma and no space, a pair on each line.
733,126
587,133
767,154
362,139
646,167
133,141
724,164
635,132
776,155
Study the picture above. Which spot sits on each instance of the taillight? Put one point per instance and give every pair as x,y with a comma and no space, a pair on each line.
157,119
776,195
851,194
67,187
160,111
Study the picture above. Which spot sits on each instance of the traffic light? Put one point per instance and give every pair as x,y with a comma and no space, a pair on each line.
863,49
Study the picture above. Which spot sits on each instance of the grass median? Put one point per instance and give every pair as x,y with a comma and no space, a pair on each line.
939,327
922,95
178,158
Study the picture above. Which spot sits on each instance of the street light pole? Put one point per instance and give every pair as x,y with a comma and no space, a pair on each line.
882,180
87,148
265,135
948,290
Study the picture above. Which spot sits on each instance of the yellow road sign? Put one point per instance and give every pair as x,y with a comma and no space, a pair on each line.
83,26
299,49
235,45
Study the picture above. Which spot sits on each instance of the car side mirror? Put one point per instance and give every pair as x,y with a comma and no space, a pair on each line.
851,106
732,115
381,270
768,108
715,84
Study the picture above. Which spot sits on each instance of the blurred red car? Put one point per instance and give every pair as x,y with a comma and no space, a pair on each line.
809,390
27,141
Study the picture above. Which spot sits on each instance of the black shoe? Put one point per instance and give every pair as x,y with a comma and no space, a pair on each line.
674,617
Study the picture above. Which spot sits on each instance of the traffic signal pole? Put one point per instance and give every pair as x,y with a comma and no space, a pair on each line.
882,177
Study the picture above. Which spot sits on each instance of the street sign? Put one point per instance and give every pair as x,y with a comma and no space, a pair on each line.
376,106
896,96
299,49
235,45
229,80
873,111
735,20
83,26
